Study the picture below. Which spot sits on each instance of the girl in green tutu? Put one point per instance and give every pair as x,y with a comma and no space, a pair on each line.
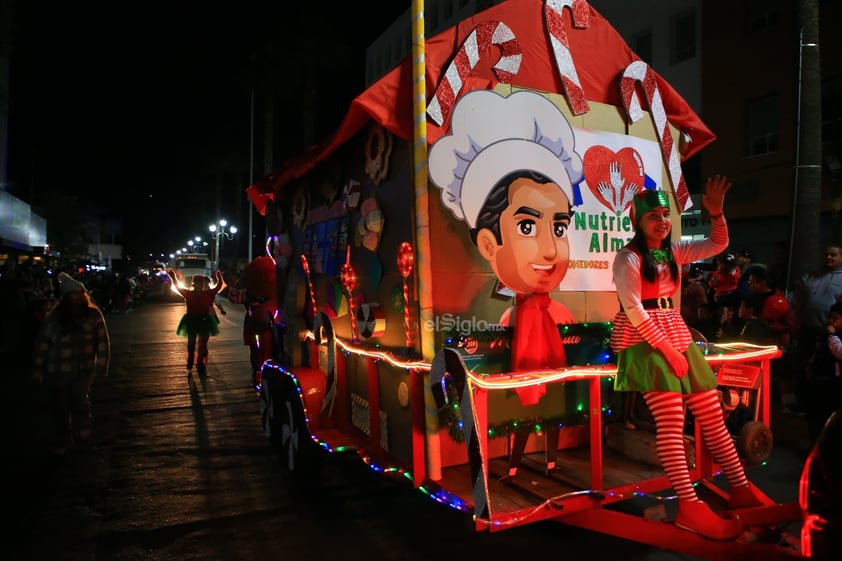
656,355
200,322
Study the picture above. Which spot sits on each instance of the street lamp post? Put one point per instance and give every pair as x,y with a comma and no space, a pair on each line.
218,231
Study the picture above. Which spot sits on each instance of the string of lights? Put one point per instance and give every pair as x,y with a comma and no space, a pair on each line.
719,353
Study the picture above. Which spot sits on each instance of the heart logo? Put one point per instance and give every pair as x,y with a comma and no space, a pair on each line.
614,177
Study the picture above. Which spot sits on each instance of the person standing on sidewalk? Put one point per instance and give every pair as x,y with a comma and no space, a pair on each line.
200,322
823,381
72,346
815,293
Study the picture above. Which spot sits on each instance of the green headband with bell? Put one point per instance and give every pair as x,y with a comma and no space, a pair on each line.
648,200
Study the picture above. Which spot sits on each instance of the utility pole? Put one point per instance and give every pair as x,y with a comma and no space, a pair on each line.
806,215
251,174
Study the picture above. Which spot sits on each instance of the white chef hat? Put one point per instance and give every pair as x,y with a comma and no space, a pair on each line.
493,136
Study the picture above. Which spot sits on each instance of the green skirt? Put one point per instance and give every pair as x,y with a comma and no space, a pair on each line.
642,369
198,325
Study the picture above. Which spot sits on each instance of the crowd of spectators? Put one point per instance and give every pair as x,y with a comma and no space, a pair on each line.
27,292
743,300
29,288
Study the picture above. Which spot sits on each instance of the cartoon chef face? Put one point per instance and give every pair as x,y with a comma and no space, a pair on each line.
506,171
526,242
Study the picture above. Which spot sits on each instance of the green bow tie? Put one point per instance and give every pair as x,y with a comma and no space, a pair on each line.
662,255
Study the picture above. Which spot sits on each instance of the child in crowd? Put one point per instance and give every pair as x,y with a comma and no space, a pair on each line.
754,328
823,388
707,322
724,281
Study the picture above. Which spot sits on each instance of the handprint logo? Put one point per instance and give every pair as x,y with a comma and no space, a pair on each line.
614,177
619,193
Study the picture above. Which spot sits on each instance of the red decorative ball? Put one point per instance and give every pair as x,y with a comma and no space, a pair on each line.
406,259
348,277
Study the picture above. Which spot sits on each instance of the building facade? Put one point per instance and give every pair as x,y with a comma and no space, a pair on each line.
742,75
737,63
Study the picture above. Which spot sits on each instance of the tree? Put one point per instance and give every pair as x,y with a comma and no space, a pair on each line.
808,160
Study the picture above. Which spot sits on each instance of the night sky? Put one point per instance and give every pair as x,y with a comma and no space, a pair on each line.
132,108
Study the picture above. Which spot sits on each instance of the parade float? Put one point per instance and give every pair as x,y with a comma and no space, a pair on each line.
395,323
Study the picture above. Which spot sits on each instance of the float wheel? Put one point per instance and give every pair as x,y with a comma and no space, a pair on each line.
754,443
299,454
269,412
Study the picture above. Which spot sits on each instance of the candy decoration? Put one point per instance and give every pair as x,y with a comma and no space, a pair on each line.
306,266
478,42
280,249
378,150
327,363
349,281
640,72
406,260
561,48
446,366
351,195
370,225
371,320
300,207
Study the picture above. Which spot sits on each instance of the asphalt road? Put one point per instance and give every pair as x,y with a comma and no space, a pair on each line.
179,469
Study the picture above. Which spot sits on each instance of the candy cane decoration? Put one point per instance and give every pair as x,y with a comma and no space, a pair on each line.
448,364
406,260
478,42
349,282
639,71
306,267
561,48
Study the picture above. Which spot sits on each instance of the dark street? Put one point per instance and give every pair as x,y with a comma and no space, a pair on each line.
179,469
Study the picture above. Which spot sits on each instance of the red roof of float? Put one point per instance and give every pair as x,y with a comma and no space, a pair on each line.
599,53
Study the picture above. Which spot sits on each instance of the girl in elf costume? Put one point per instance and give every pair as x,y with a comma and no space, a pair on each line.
656,355
200,322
